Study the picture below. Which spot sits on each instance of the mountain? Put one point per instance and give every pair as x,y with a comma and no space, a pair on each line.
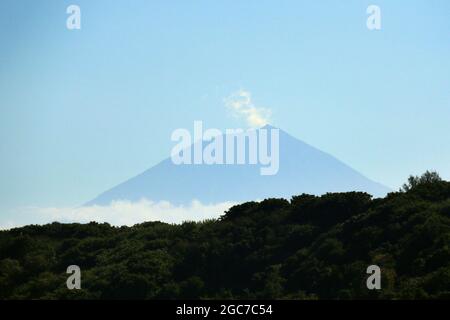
302,169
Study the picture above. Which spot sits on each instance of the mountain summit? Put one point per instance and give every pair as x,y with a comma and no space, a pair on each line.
302,169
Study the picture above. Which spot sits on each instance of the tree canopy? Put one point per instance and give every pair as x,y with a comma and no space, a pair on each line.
311,247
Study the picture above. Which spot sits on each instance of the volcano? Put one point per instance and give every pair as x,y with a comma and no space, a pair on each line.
302,169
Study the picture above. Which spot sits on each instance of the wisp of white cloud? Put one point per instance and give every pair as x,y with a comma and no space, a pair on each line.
120,213
241,105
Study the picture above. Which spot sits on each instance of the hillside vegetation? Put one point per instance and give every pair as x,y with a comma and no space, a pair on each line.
307,248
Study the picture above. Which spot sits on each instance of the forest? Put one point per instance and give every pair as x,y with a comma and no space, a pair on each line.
308,247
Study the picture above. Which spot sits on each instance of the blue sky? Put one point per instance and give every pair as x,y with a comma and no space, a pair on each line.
83,110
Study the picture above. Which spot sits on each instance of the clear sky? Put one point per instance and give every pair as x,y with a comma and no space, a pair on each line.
83,110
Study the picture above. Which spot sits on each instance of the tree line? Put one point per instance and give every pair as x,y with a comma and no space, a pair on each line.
310,247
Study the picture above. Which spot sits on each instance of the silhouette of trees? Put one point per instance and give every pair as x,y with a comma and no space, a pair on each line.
312,247
426,178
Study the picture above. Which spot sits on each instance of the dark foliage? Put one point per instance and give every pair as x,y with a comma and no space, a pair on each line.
308,248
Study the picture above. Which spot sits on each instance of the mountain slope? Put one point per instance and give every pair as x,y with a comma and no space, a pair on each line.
302,169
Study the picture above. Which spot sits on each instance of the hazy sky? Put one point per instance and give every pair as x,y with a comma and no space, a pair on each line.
83,110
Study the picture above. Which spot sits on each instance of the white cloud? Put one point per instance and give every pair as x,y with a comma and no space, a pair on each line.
120,213
241,104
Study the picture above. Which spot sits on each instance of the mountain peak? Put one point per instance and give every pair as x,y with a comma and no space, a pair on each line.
268,127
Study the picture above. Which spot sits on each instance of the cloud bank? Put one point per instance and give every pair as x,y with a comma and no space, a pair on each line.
242,106
120,213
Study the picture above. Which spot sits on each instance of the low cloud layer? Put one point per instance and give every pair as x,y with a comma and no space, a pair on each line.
120,213
241,105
